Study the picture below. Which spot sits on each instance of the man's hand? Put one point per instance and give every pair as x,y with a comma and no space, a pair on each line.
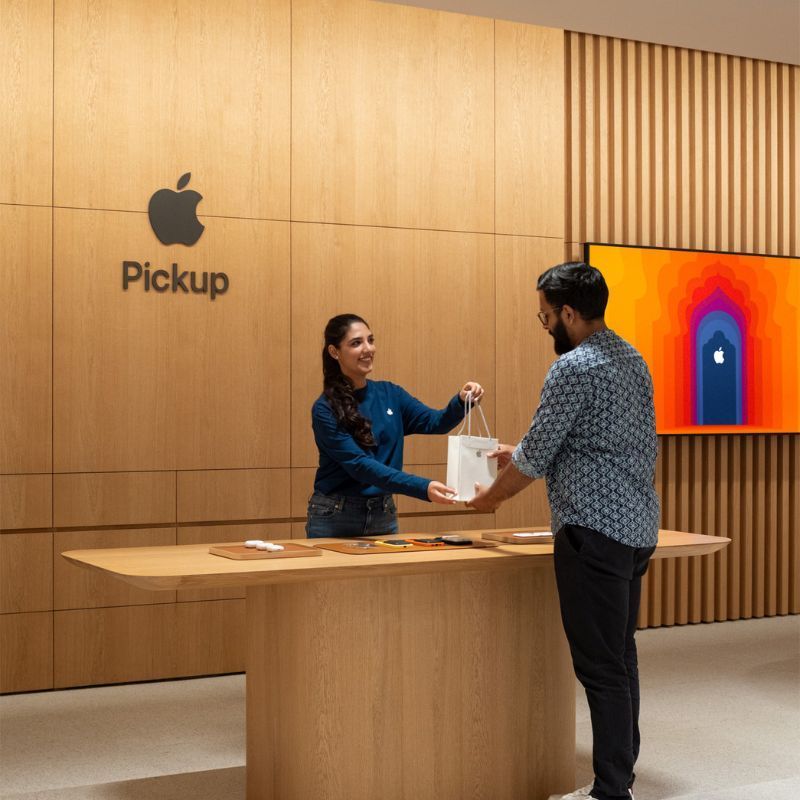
508,483
482,501
502,454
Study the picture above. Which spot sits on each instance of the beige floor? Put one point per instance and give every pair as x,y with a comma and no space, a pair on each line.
720,721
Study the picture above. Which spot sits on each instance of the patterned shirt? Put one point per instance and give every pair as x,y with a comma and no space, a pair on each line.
593,439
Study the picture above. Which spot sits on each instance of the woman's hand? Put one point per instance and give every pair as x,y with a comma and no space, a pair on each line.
502,454
475,388
439,493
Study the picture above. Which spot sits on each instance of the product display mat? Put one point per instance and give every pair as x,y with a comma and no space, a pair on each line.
526,537
242,553
346,546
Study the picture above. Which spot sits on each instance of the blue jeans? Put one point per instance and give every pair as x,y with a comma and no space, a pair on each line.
334,515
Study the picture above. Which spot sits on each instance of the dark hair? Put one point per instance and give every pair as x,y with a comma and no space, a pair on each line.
577,285
338,388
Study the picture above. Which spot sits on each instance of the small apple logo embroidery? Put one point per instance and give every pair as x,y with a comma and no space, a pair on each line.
173,215
719,356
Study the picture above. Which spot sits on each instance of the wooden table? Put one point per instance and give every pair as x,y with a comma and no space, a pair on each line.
441,675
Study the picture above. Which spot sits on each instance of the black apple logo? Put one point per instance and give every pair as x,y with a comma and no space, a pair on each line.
173,215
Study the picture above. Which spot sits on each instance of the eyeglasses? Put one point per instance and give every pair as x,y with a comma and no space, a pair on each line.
543,314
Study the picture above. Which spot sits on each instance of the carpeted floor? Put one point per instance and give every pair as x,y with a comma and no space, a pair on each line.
720,721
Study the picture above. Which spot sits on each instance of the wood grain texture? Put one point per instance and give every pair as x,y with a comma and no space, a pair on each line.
209,95
113,498
677,148
450,523
26,572
81,588
192,566
26,652
26,501
25,336
211,534
26,97
236,494
529,129
421,291
392,116
523,354
378,689
149,381
138,643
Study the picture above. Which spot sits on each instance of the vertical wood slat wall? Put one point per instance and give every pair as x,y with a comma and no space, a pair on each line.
670,147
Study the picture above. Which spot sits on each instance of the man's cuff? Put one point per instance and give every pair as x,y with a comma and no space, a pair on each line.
519,460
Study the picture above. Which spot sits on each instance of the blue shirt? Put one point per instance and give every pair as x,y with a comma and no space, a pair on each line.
593,439
345,468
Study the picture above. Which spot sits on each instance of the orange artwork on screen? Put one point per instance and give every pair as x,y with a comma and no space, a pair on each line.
720,333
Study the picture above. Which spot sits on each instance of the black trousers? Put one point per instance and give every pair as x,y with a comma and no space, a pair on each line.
599,587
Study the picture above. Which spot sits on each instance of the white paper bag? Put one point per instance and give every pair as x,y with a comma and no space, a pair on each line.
467,463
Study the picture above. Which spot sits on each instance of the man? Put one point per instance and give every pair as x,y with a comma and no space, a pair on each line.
593,439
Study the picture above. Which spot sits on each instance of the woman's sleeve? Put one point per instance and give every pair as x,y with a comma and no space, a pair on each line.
419,418
339,445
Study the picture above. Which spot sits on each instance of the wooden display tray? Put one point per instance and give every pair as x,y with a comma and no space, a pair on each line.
376,549
242,553
509,537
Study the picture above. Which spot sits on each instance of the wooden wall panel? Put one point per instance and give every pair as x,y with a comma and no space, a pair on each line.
529,129
209,94
170,640
26,652
523,354
236,494
302,487
25,336
26,97
440,523
392,116
26,572
429,297
149,381
116,498
676,148
76,587
26,501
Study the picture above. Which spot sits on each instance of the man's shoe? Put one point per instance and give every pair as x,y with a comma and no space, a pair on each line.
581,794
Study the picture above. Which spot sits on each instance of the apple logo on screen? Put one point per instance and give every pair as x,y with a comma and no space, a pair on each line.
719,356
173,215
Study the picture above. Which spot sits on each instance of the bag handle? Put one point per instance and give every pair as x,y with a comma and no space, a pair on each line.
468,406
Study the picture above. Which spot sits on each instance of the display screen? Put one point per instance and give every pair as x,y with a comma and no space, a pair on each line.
719,331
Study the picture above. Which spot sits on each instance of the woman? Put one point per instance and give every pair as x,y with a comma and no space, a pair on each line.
359,426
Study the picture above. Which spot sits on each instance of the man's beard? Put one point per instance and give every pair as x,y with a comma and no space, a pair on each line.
561,341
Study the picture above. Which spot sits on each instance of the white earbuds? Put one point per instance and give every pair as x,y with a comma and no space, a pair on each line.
258,544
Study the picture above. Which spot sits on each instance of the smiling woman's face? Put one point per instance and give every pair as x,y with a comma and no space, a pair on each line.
355,353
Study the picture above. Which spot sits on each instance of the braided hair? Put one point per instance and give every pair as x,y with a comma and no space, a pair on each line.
338,388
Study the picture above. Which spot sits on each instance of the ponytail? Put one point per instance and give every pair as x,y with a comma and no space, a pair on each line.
338,388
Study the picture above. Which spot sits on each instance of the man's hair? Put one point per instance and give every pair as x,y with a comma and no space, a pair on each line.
577,285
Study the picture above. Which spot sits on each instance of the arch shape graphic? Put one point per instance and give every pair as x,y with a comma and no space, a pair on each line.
718,327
